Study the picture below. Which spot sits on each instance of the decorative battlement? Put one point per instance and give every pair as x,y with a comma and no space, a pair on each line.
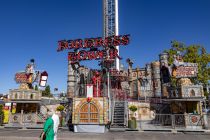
188,91
20,94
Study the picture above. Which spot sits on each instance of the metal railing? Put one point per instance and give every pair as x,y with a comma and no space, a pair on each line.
15,118
126,113
30,118
171,121
208,121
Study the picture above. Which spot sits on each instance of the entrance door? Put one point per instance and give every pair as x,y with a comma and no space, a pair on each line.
89,113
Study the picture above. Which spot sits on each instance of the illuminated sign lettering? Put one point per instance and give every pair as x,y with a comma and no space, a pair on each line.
185,71
93,44
22,77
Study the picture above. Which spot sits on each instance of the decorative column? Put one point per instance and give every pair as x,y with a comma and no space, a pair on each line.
70,81
156,78
130,77
138,83
148,76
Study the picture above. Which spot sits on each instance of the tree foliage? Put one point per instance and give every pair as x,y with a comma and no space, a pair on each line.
60,108
193,54
47,92
1,114
133,108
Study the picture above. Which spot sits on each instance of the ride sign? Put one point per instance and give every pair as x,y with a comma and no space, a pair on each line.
187,70
94,45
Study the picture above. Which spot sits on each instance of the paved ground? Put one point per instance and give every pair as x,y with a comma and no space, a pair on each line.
14,134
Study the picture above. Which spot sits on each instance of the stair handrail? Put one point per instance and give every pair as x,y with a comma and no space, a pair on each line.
112,109
126,113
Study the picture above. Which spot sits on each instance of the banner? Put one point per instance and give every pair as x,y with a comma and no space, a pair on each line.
89,90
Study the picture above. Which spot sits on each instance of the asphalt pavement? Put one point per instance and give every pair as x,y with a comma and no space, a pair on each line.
15,134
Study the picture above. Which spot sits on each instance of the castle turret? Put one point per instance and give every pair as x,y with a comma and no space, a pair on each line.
130,76
165,74
163,57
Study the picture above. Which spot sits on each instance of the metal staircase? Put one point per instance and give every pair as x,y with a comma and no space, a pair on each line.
119,116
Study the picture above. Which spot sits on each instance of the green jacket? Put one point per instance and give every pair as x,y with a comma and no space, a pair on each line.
48,129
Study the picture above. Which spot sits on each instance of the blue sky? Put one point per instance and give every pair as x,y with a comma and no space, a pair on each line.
31,29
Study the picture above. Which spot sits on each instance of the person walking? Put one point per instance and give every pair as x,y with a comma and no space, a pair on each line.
56,121
49,128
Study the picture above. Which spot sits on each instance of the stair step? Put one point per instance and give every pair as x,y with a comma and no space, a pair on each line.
117,124
119,118
120,115
118,121
119,106
117,129
113,124
119,110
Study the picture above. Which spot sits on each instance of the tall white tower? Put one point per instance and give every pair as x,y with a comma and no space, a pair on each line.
111,22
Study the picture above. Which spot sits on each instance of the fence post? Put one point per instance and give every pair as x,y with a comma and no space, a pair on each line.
21,117
205,120
173,121
140,124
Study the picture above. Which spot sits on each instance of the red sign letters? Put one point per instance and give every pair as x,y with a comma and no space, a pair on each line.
91,43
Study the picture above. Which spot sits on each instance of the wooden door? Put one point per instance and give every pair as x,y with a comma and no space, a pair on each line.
89,113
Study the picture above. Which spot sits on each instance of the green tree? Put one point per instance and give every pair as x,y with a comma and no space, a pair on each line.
47,92
1,114
194,54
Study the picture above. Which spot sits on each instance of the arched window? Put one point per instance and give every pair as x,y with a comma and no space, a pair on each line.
192,93
31,96
89,113
16,95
